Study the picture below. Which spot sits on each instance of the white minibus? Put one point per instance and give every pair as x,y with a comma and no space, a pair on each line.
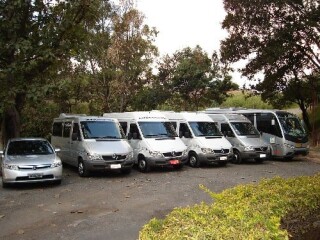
153,139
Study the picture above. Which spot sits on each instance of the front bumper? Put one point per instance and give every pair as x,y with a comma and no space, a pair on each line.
255,155
39,175
214,158
161,162
101,165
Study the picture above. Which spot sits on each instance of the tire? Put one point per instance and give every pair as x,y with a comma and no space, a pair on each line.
194,160
126,171
237,157
143,165
82,170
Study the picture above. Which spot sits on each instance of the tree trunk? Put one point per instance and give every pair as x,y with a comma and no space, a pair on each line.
305,117
11,124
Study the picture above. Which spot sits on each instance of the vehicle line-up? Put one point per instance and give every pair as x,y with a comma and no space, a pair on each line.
148,139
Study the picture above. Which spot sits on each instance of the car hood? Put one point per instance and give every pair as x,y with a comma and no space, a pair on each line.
31,159
109,147
166,144
215,143
253,141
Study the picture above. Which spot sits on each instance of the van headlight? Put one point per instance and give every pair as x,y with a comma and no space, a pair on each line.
248,148
56,163
94,156
288,145
130,155
206,150
185,152
11,166
155,154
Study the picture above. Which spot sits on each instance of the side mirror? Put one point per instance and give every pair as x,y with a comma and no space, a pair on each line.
230,134
187,135
135,135
180,134
75,137
57,150
130,135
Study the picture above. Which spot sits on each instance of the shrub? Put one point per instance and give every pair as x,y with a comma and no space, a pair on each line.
252,211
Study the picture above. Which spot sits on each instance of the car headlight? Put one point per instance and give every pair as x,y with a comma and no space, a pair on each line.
94,156
56,163
11,166
206,150
130,155
248,148
155,153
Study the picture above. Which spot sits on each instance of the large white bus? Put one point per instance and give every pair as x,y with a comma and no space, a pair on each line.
284,131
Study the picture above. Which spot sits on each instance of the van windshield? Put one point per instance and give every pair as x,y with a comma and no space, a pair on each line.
205,129
291,125
101,130
244,128
157,129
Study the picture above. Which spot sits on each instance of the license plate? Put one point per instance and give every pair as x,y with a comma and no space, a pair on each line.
115,166
263,155
298,145
223,158
35,175
174,162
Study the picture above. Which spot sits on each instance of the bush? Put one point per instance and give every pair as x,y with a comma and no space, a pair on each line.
252,211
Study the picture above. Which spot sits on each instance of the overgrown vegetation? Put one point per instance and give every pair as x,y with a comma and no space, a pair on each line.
253,211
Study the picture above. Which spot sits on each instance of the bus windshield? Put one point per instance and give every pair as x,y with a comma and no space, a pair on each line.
244,128
291,125
101,130
157,130
205,129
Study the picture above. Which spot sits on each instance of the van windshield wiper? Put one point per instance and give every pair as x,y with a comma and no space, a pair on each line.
215,136
107,137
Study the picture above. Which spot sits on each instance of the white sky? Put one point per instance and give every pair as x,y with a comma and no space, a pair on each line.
186,23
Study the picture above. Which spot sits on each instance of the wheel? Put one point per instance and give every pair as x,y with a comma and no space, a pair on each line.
237,157
143,165
82,170
126,171
194,160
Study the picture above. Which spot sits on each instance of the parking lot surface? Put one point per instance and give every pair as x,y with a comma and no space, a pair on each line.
115,206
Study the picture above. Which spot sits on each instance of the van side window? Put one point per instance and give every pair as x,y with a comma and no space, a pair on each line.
184,131
76,131
226,130
57,129
124,126
135,131
264,124
66,129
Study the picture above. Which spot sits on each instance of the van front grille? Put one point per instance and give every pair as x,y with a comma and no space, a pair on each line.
114,157
221,151
172,154
259,149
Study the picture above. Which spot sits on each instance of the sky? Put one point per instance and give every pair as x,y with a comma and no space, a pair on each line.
186,23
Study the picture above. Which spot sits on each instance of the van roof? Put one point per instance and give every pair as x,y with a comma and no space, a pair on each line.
228,116
83,117
188,116
138,115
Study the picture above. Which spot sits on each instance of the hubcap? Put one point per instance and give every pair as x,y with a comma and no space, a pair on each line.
142,164
80,168
193,160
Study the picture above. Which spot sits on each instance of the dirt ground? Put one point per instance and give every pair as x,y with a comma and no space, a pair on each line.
115,206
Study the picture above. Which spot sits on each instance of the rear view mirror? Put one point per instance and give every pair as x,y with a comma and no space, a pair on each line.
187,135
273,122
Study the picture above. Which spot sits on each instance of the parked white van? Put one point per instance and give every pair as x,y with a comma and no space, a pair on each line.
92,143
153,139
206,144
244,137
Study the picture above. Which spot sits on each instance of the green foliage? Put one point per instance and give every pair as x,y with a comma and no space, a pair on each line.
252,211
238,99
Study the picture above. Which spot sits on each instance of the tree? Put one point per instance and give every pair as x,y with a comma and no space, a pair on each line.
278,38
191,75
34,36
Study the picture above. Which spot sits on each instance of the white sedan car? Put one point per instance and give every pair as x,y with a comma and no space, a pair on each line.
30,160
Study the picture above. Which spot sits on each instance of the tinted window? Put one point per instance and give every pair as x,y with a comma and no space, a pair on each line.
124,126
157,129
134,131
29,147
184,130
205,129
101,129
244,128
57,129
76,131
226,130
267,123
66,129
